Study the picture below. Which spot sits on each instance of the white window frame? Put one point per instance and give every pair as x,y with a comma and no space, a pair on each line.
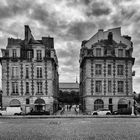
98,86
120,69
120,86
98,69
39,87
120,52
14,87
98,52
39,72
14,71
14,53
39,54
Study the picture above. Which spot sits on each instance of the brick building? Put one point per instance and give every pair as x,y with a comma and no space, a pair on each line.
106,71
29,73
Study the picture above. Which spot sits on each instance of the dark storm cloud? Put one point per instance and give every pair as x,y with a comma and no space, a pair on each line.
80,30
90,16
98,9
77,30
78,2
70,54
14,8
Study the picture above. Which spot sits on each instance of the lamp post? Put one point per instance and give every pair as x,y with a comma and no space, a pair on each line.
1,98
133,105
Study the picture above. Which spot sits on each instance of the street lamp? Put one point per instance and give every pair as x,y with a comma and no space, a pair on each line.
133,105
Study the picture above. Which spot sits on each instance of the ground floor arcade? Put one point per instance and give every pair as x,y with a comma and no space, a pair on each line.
28,104
90,104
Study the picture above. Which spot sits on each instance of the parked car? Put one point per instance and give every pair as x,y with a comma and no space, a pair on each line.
43,112
123,111
11,111
102,112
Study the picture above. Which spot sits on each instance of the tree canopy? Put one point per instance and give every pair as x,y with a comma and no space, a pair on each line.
69,97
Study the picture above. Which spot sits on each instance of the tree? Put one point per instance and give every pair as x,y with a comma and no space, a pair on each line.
68,97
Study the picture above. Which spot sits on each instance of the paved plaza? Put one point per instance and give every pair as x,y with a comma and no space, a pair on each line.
70,129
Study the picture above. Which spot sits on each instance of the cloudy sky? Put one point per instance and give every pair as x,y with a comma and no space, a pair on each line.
70,22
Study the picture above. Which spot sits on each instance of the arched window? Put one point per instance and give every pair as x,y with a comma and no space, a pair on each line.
122,103
15,103
98,104
39,102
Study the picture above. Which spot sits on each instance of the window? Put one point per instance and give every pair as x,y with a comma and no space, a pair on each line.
109,69
109,86
39,72
98,104
110,100
27,101
29,55
14,87
14,72
98,86
120,70
27,87
120,52
27,72
98,51
14,53
98,69
120,86
39,87
39,55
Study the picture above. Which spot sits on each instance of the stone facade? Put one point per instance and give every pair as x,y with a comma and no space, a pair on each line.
106,71
30,73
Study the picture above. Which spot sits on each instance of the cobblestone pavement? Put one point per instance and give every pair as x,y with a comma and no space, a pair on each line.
70,129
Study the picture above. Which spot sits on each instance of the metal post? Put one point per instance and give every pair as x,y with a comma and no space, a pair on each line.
132,114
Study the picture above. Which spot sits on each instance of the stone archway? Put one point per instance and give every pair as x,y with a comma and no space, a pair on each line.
122,103
98,104
39,105
15,103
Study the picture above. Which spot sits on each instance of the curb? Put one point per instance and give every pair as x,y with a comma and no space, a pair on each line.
66,116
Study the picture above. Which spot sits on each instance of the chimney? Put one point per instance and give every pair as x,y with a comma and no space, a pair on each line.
48,42
28,34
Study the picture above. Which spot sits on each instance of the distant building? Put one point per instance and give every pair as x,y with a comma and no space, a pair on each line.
69,87
30,73
106,71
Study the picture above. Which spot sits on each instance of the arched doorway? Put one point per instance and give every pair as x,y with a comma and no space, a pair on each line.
122,103
39,105
15,103
98,104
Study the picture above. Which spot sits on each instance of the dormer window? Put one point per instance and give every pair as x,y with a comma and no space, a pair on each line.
120,52
39,54
98,51
14,53
29,55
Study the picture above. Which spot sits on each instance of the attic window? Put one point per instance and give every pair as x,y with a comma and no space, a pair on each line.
120,52
14,53
98,51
